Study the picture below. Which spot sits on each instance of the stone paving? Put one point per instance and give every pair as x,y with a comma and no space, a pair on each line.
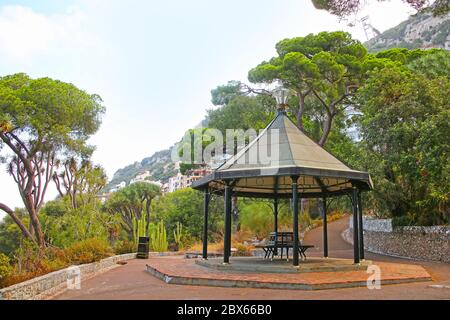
182,271
277,265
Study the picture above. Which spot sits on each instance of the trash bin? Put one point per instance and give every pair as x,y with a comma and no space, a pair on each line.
143,248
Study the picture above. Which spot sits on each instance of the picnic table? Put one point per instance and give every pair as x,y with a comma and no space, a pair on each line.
282,241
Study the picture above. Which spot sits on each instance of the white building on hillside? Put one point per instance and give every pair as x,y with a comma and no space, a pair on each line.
119,186
142,177
181,181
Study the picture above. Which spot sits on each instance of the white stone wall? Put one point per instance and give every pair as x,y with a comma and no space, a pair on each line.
421,243
378,225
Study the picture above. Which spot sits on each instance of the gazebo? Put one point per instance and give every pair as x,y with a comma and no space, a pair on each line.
303,169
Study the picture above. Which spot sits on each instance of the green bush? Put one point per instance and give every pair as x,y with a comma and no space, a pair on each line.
258,218
87,251
125,246
5,268
402,221
78,224
10,235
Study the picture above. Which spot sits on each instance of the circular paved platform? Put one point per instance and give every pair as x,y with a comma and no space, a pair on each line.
177,270
257,264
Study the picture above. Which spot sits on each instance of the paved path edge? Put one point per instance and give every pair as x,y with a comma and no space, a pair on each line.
228,283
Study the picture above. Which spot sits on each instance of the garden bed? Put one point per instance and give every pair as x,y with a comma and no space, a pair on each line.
48,285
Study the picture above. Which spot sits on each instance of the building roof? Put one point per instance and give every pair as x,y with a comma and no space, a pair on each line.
290,153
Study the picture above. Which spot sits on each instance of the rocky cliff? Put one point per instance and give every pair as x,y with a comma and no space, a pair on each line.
421,30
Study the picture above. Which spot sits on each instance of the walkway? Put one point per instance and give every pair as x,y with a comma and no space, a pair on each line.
132,282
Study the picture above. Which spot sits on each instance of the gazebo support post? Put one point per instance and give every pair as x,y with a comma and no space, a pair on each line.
325,227
227,236
275,220
275,215
205,224
355,225
295,254
361,228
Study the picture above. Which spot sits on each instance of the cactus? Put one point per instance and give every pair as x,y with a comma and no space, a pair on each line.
177,234
158,238
139,226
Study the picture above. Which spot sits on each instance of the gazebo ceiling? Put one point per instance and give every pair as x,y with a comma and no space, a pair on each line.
319,172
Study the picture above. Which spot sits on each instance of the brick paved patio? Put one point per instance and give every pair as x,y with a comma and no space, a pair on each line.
177,270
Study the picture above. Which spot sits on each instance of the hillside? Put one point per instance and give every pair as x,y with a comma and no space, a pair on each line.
159,165
421,30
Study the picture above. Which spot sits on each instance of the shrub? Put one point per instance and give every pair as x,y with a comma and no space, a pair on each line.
28,258
54,259
125,246
29,261
242,250
402,221
304,220
212,247
5,268
336,215
257,218
78,224
87,251
10,234
241,236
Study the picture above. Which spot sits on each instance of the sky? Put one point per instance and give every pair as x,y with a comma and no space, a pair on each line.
154,63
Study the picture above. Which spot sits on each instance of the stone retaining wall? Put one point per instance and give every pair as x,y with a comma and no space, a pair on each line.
421,243
50,284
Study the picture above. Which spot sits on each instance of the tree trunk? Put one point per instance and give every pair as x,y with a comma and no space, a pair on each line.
326,129
235,211
19,223
301,110
39,235
29,190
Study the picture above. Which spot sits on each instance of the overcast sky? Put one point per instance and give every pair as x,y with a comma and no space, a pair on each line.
154,62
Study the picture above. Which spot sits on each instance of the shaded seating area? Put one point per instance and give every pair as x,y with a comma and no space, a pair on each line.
281,242
298,168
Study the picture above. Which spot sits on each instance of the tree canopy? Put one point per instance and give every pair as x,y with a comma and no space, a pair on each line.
326,67
404,125
42,120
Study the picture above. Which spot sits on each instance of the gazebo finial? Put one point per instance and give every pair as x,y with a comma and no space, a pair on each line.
281,95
